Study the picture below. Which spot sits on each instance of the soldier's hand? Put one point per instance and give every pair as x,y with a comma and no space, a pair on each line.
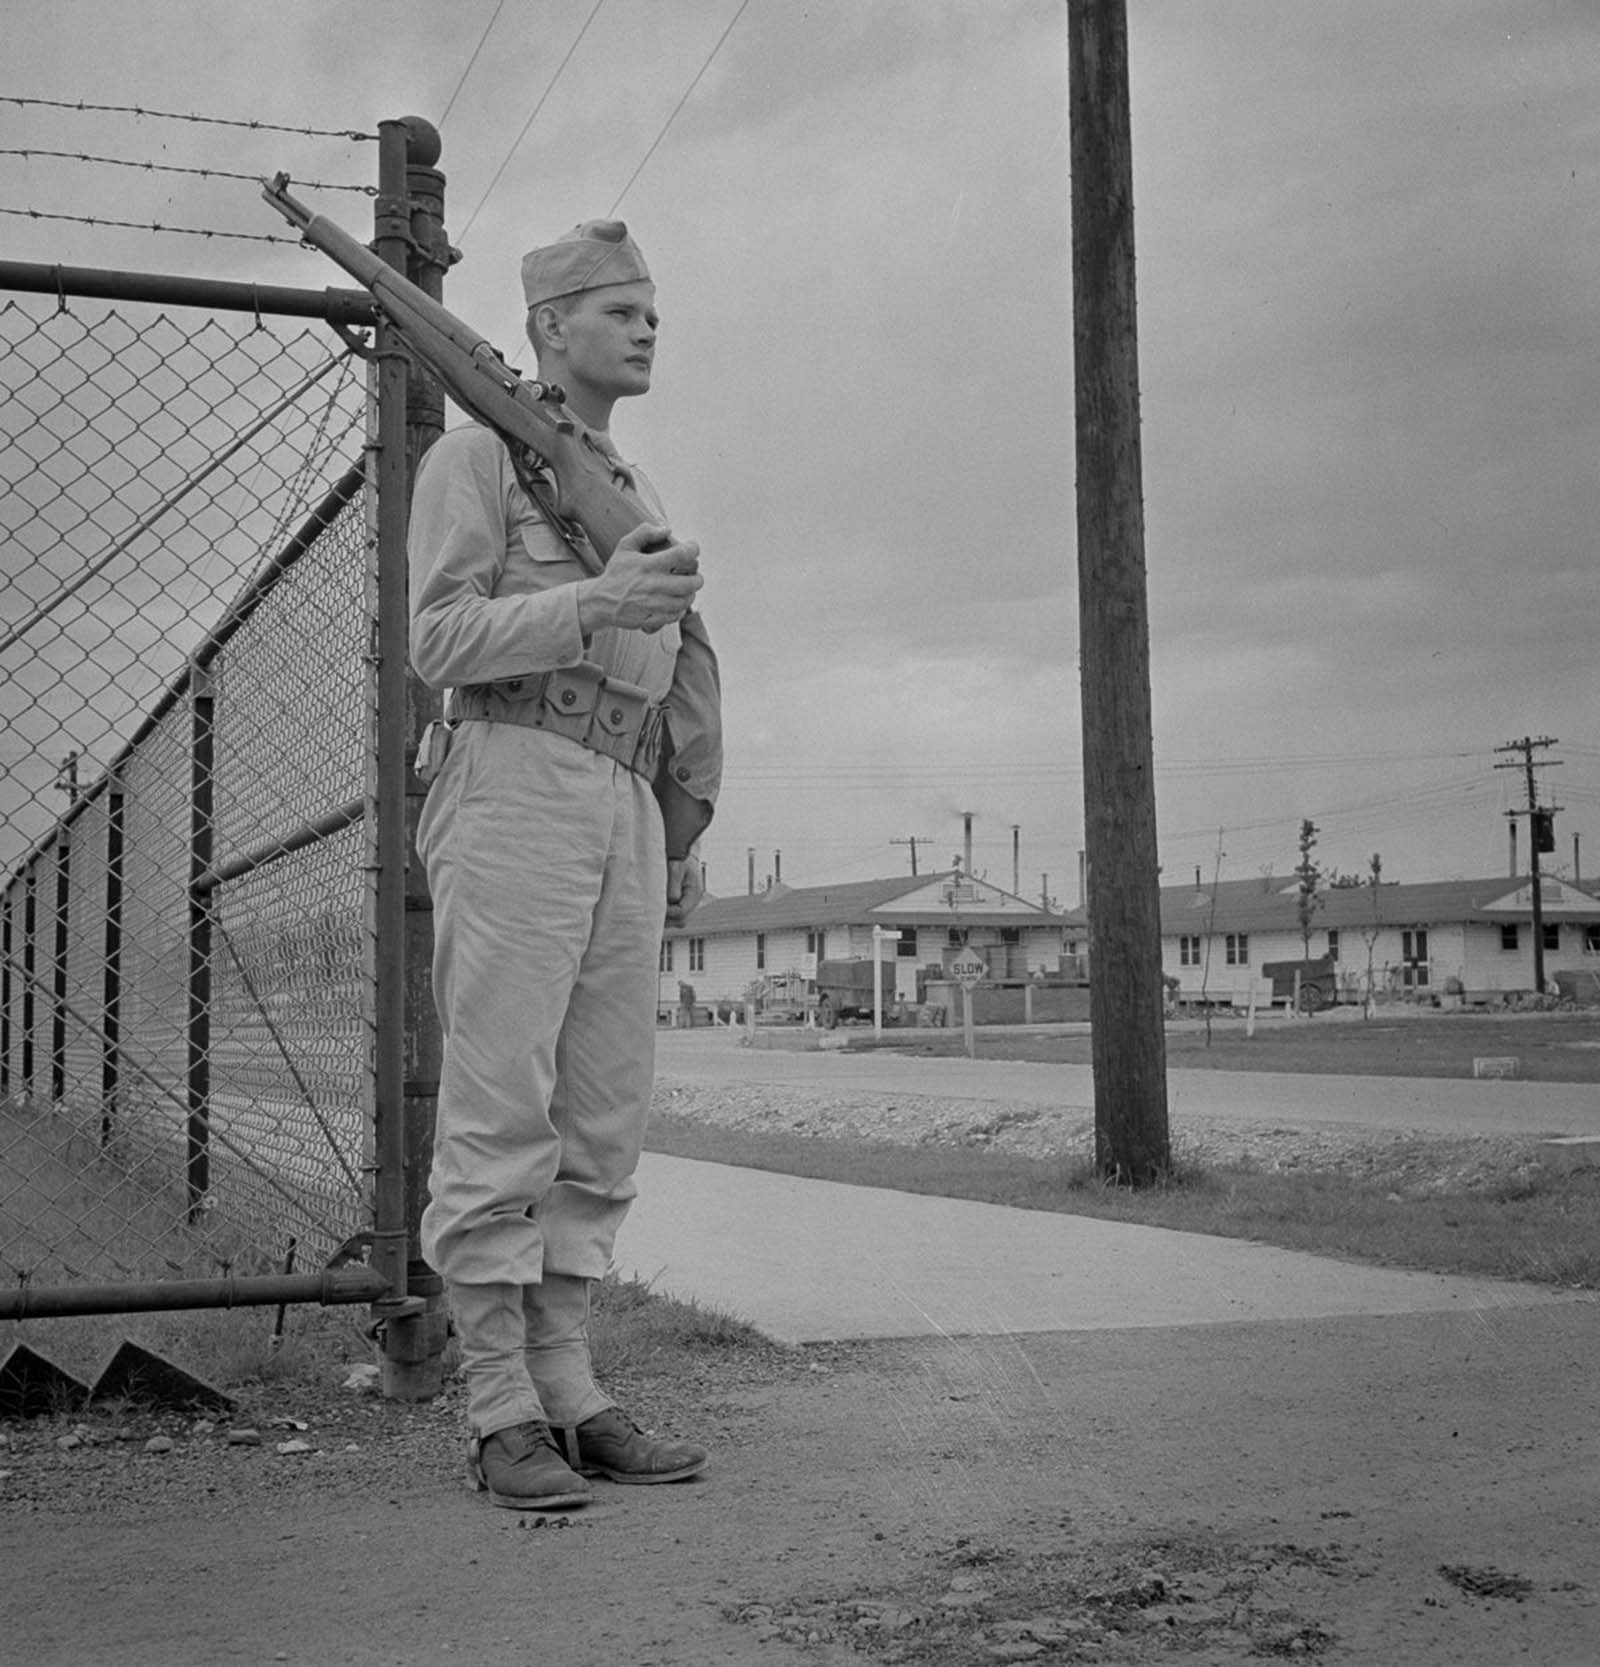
649,582
685,887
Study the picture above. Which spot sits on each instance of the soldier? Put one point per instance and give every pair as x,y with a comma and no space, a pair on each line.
584,761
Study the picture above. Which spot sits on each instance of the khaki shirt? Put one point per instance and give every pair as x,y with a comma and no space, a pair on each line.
493,596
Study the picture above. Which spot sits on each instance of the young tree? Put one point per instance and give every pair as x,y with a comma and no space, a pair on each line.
1309,876
1369,934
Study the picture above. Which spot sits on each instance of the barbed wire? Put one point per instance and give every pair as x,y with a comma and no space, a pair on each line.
179,116
152,226
174,168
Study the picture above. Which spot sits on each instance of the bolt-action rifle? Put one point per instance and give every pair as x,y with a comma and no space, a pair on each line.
556,459
554,454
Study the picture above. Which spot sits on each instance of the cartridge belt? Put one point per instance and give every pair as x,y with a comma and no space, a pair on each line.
615,719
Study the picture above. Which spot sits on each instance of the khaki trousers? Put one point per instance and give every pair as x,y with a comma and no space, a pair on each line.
548,875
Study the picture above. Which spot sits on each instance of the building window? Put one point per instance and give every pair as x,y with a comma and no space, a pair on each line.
1508,935
906,944
813,941
697,955
666,954
1188,952
1333,943
761,951
1591,940
1238,949
1552,934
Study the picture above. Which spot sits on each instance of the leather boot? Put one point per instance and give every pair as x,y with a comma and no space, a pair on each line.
522,1469
612,1445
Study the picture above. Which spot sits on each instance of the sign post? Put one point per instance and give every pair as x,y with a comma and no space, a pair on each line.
969,971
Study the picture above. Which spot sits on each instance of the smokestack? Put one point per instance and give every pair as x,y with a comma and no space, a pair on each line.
750,857
1016,860
1044,891
966,840
777,867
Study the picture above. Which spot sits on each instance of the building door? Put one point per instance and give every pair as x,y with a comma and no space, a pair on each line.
1414,959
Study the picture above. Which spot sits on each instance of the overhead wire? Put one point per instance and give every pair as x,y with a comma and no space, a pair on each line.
533,116
699,75
450,103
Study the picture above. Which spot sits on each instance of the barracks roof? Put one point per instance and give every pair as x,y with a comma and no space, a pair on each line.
908,900
1272,903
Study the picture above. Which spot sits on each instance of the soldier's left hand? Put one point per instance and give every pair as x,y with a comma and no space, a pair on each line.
684,889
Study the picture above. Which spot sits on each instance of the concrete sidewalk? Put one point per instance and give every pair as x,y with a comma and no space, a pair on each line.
809,1261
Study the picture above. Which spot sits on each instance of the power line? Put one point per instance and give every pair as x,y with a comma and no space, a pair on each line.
178,116
679,105
451,103
532,118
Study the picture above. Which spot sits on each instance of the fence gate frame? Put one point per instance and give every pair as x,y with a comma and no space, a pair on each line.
406,1297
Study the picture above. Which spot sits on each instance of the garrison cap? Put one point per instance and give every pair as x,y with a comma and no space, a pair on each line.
590,256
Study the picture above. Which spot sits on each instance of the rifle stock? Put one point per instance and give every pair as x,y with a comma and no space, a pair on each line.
557,461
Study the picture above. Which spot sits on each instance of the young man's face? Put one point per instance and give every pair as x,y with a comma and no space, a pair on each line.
610,340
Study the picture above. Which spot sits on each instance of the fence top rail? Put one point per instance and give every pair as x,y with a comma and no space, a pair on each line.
336,306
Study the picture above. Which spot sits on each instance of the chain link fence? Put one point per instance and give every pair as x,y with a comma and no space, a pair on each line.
186,948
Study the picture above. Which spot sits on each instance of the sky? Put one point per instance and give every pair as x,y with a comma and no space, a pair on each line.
1367,257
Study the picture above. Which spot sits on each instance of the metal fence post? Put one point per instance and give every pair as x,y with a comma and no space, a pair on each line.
30,894
111,983
203,708
414,1324
58,971
5,996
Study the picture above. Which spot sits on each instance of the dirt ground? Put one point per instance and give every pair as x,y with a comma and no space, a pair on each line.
1405,1490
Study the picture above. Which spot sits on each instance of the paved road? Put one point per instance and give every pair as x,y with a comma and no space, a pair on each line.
1434,1104
810,1260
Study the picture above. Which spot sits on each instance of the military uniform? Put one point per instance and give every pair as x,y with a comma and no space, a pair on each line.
546,860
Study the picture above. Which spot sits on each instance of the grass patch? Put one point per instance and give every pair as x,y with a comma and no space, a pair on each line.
635,1331
1413,1204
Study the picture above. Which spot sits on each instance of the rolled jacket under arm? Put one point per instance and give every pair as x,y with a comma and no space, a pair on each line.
693,710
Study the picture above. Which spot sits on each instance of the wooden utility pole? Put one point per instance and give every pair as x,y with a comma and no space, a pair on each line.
1541,836
1125,993
913,840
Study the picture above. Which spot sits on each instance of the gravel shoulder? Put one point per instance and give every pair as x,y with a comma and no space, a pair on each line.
1026,1128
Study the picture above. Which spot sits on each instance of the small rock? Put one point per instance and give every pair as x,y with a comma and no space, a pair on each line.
202,1426
287,1449
159,1444
1018,1649
5,1475
69,1443
244,1437
362,1380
